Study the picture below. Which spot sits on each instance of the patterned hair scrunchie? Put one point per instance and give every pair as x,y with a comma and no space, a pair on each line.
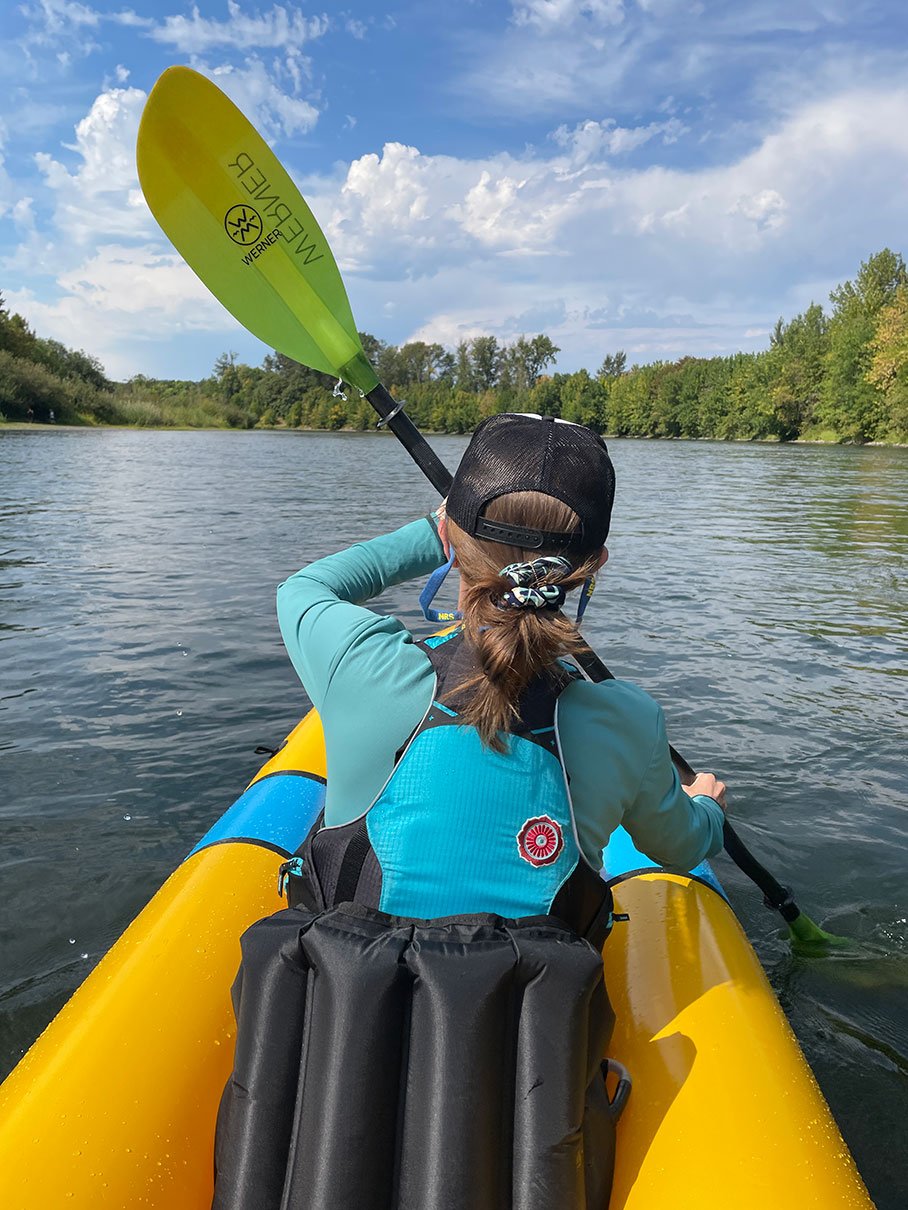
527,591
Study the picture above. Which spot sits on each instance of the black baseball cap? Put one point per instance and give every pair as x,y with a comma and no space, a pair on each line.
521,452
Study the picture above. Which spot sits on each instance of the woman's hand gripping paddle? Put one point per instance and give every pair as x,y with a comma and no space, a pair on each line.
227,205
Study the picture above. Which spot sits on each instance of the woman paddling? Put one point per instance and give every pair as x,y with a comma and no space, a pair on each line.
440,1045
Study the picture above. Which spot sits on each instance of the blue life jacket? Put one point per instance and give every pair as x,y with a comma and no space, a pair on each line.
460,829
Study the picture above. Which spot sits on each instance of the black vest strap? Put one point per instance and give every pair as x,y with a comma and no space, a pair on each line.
455,662
352,864
585,903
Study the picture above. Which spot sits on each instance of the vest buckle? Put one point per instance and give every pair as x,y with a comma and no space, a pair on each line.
289,869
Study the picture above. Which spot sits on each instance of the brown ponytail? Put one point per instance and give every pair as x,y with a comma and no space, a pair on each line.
512,645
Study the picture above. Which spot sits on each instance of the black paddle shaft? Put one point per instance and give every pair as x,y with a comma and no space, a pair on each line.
393,415
396,419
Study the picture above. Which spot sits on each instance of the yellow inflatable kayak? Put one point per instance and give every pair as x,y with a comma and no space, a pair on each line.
114,1106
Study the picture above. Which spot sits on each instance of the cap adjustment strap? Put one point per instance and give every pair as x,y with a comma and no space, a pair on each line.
526,539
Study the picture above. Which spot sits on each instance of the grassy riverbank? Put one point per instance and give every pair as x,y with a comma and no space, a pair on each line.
837,377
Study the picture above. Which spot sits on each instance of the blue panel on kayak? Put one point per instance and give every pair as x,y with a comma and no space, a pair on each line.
277,811
621,856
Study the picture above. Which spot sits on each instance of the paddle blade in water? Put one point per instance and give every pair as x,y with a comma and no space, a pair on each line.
234,214
807,935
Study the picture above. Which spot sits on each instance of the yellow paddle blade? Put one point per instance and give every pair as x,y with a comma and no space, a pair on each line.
234,214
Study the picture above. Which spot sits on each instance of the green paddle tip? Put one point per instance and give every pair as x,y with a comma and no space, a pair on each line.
359,373
805,935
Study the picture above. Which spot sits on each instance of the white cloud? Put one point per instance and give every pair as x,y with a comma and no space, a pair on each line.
589,140
129,19
766,209
271,110
281,27
58,16
23,213
101,196
6,187
120,295
561,13
55,20
397,199
576,57
143,281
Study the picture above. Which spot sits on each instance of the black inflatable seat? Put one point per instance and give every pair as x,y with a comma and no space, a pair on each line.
392,1064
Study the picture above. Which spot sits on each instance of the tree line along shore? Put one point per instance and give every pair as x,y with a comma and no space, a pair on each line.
836,375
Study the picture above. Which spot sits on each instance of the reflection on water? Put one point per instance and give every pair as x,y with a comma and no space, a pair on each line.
758,591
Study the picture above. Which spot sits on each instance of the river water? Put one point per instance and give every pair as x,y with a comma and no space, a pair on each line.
759,592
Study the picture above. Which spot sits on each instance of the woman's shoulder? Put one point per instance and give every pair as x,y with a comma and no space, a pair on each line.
612,703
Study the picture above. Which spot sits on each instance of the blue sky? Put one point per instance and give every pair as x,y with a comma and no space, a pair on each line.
662,176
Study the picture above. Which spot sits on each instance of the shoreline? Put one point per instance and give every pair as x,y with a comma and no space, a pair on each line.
31,426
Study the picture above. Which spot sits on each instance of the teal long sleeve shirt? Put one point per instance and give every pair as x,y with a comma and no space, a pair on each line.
372,685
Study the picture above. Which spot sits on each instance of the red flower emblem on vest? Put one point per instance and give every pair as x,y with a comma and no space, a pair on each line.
540,840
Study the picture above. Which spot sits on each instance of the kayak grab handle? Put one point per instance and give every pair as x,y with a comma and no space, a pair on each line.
617,1102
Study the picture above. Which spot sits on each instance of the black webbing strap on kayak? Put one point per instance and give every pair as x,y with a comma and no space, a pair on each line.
352,865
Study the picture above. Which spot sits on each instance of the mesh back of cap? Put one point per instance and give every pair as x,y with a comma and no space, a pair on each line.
516,453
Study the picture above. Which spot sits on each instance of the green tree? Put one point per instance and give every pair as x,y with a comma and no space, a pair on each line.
16,337
372,346
747,404
584,399
485,358
225,374
464,376
798,356
464,414
888,370
851,406
629,405
422,362
525,360
284,382
613,365
545,397
713,399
